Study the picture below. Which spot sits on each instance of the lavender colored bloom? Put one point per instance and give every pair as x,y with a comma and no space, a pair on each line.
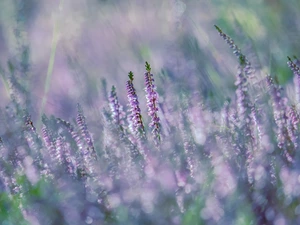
73,133
152,103
137,125
245,143
293,117
292,124
244,104
66,157
80,120
244,63
59,145
188,145
118,114
114,105
49,142
243,100
280,117
296,70
83,154
33,141
261,136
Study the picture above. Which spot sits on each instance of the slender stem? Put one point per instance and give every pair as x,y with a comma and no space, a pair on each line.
50,66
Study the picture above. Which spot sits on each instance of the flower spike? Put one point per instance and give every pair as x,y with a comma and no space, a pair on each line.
135,115
152,102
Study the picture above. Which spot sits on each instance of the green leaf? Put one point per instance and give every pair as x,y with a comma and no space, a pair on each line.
130,75
148,68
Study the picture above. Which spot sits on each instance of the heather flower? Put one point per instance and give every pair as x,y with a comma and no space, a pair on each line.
244,142
80,120
34,142
152,104
226,114
292,124
278,107
59,145
262,155
135,117
296,70
116,109
261,136
83,156
48,140
243,61
280,117
70,128
244,104
293,117
114,105
188,144
66,157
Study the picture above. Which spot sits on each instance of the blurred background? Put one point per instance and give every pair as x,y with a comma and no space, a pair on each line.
66,51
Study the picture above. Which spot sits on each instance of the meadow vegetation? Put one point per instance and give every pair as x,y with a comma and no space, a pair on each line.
198,135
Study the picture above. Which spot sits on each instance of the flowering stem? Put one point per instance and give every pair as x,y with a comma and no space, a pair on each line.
152,102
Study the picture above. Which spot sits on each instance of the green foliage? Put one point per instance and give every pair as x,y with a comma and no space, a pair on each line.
130,75
148,68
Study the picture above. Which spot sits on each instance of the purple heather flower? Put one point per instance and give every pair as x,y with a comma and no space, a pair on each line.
230,42
280,117
294,117
135,117
73,133
67,158
261,136
188,145
80,120
59,145
152,103
118,114
80,144
114,105
292,124
244,63
296,70
243,99
226,114
49,142
244,104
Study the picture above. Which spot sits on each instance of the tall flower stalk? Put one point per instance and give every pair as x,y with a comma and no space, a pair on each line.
245,143
280,117
244,104
80,120
49,141
152,103
296,71
116,109
292,124
245,64
136,122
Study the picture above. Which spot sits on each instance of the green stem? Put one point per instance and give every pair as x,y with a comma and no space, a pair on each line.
50,68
